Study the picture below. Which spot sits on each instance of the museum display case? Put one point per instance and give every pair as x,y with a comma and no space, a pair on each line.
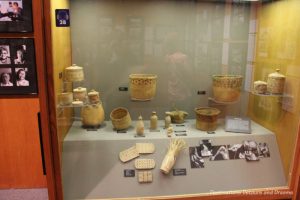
174,99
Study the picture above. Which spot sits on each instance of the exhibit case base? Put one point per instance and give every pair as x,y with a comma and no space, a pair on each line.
92,168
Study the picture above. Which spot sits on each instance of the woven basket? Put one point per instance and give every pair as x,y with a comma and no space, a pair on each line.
227,88
120,118
142,86
206,118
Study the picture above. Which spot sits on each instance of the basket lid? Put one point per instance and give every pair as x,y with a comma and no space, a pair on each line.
74,67
207,111
276,74
79,89
260,82
143,76
93,93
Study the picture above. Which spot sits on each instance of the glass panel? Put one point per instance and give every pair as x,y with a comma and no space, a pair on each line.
194,54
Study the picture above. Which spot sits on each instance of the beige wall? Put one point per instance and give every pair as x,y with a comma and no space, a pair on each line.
61,48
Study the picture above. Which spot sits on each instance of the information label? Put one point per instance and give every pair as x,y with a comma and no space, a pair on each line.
179,172
129,173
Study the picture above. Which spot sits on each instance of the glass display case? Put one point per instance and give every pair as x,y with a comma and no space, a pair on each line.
175,99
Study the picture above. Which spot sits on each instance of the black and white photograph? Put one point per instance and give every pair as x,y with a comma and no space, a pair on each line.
220,153
20,54
16,16
251,150
11,10
21,77
236,151
5,55
195,157
6,77
263,150
21,70
206,148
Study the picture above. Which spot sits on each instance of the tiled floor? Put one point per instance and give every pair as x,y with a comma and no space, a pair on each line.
24,194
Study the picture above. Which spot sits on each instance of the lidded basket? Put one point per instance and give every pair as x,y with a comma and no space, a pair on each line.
142,86
227,88
79,93
94,97
206,118
275,82
74,73
120,118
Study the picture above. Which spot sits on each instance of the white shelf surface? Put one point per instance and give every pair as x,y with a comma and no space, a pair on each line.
92,169
106,132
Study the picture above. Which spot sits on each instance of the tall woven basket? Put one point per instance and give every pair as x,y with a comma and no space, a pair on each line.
227,88
142,86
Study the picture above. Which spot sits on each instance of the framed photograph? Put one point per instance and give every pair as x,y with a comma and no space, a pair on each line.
17,67
16,16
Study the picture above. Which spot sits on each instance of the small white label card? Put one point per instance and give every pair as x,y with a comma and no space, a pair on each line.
237,124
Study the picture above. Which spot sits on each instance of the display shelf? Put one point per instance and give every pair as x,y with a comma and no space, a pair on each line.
92,169
267,94
221,102
75,106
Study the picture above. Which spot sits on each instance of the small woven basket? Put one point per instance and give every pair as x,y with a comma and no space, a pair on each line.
206,118
142,86
227,88
120,118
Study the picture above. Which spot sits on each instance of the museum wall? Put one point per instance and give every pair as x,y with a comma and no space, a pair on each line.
183,42
61,45
277,46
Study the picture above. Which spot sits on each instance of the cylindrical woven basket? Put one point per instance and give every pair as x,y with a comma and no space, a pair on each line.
142,86
120,118
227,88
206,118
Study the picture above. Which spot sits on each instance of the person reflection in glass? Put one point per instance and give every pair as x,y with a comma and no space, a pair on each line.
5,80
21,75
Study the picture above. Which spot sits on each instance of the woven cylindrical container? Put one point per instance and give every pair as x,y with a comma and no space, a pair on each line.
259,87
79,93
275,82
94,97
206,118
120,118
227,88
142,86
74,73
65,98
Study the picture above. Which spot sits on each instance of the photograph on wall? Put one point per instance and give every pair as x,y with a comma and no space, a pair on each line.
6,77
219,153
195,157
251,150
16,16
263,150
18,67
236,151
4,55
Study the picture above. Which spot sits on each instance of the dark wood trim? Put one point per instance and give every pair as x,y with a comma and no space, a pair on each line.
37,10
56,187
294,175
17,35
